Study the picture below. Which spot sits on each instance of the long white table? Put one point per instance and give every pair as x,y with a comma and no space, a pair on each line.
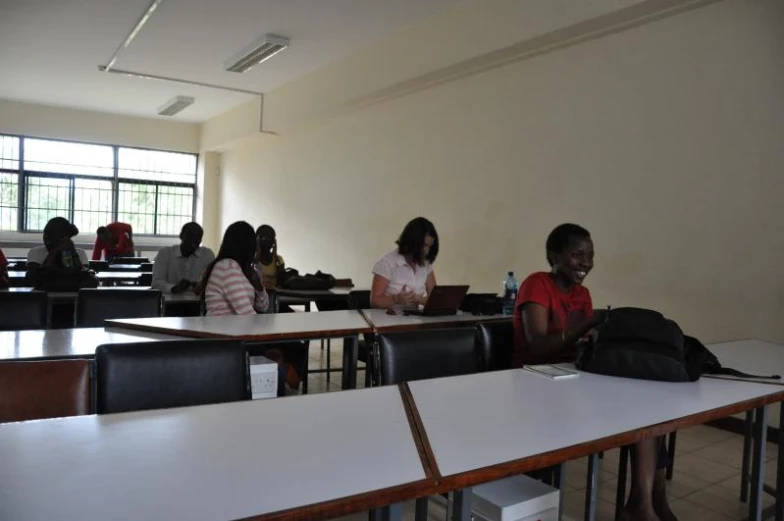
214,463
274,327
383,322
42,344
514,421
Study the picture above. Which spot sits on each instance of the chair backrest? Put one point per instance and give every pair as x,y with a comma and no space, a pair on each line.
496,342
93,306
422,354
180,373
145,267
360,299
44,389
130,260
98,265
23,310
145,279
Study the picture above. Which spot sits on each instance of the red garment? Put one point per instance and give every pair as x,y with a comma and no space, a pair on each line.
3,260
564,310
119,246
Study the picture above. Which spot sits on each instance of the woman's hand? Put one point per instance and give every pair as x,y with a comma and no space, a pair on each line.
406,298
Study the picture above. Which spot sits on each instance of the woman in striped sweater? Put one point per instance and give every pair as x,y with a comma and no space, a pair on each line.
232,286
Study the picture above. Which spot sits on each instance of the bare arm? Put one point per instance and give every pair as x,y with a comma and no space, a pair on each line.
379,298
562,343
430,283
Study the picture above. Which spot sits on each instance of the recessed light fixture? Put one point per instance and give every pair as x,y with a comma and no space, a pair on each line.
261,50
175,105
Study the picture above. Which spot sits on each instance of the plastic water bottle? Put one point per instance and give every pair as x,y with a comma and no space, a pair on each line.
510,293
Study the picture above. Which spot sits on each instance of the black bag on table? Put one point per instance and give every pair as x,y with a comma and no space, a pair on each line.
318,282
643,344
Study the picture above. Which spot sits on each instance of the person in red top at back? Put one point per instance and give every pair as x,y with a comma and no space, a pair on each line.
553,314
114,240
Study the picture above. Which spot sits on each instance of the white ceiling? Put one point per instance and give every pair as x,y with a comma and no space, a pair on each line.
50,49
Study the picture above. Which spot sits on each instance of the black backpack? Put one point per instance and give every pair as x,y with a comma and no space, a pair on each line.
319,282
643,344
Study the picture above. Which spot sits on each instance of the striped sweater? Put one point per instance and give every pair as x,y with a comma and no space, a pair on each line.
229,292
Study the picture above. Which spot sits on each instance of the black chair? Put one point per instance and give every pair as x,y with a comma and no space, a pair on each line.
496,341
23,310
94,306
145,267
430,353
98,266
180,373
130,260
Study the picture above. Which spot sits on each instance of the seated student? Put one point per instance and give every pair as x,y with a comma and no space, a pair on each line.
113,240
232,287
5,281
271,265
58,251
553,313
404,277
179,268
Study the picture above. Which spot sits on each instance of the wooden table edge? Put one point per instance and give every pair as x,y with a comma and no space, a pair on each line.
419,433
351,504
294,335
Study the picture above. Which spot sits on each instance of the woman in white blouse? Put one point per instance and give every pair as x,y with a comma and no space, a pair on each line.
404,277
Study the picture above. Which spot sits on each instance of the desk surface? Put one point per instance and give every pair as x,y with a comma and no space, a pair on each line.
383,322
264,327
101,275
210,463
753,357
489,419
315,294
66,295
66,343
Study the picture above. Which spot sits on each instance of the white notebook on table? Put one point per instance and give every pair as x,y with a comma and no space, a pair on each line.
552,371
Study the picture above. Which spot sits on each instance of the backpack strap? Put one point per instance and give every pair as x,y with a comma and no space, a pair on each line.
727,371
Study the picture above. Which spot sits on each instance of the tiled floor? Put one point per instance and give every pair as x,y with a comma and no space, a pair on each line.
705,486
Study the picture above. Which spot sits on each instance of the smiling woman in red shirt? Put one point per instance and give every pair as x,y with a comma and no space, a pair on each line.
113,240
4,280
553,313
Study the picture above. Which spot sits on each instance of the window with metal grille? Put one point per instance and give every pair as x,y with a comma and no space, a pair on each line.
9,183
93,185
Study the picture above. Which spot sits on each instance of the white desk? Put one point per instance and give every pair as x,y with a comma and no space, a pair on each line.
273,327
67,343
383,322
211,463
751,356
511,419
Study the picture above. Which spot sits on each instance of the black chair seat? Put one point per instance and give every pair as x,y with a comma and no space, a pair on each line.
94,306
23,310
158,375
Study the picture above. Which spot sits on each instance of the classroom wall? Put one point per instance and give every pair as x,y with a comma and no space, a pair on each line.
46,121
664,140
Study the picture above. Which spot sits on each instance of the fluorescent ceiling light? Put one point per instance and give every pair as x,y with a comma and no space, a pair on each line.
175,105
261,50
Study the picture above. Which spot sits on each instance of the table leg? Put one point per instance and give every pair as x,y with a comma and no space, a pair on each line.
780,468
392,512
559,475
672,439
758,464
420,509
744,468
620,493
461,506
591,486
350,349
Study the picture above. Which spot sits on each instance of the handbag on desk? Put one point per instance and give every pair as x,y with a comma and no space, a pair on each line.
643,344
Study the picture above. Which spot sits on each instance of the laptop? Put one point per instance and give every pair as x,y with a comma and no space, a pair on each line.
443,301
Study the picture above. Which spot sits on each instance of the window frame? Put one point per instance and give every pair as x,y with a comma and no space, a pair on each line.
22,175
